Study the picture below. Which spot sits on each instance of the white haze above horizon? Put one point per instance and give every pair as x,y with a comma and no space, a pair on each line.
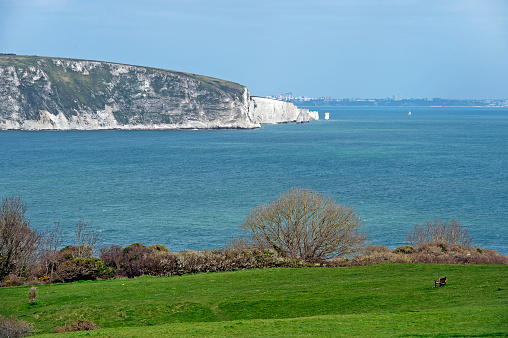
344,48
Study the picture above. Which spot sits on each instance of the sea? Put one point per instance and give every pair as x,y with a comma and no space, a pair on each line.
191,189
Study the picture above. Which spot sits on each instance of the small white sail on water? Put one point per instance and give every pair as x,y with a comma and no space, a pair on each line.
409,113
327,116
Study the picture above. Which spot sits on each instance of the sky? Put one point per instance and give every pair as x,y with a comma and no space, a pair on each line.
456,49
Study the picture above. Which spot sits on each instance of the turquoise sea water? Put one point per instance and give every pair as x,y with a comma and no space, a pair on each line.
191,189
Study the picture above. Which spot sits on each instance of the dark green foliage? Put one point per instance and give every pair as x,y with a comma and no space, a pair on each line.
133,246
83,269
73,251
404,249
158,247
270,258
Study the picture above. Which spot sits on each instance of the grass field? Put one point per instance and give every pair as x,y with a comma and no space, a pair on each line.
378,300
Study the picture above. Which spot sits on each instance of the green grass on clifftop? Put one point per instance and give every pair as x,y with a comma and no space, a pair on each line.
379,300
76,89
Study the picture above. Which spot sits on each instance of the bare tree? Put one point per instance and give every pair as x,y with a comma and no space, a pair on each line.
49,249
307,225
86,240
438,231
18,243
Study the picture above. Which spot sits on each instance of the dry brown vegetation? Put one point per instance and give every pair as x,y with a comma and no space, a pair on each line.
441,231
12,327
305,225
137,260
301,228
78,325
18,243
432,252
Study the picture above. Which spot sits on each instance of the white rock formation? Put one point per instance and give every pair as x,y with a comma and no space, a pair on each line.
39,93
269,111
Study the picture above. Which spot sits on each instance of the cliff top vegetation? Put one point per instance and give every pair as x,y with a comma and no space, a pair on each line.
96,80
24,61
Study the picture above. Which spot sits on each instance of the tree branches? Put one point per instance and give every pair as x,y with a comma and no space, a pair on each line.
438,231
18,243
306,225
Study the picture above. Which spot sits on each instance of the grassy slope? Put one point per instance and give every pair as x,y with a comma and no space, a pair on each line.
78,87
373,300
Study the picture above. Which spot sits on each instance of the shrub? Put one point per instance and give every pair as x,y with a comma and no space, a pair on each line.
158,247
373,249
438,231
78,325
32,294
134,246
11,327
112,255
445,253
137,260
72,251
83,269
270,258
404,249
239,259
305,225
12,280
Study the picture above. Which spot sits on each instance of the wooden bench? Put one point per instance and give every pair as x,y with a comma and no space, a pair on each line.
440,282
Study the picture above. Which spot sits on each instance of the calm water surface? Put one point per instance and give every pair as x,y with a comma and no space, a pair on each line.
191,189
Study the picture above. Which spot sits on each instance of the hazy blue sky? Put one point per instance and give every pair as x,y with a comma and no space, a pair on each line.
342,49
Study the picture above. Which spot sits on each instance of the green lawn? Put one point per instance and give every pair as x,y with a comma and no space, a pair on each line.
389,300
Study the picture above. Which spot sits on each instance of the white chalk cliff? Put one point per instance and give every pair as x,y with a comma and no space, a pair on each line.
40,93
270,111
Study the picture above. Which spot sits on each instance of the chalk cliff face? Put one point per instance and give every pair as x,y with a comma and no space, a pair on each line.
269,111
41,93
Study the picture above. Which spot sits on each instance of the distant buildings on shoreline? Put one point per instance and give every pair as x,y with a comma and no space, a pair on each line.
396,101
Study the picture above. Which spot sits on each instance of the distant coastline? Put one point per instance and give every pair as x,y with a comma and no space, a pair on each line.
409,102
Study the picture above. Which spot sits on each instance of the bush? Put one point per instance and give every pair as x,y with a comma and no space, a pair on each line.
32,294
405,249
305,225
445,253
137,260
83,269
11,327
112,256
78,325
72,251
134,247
374,249
158,247
270,258
438,231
